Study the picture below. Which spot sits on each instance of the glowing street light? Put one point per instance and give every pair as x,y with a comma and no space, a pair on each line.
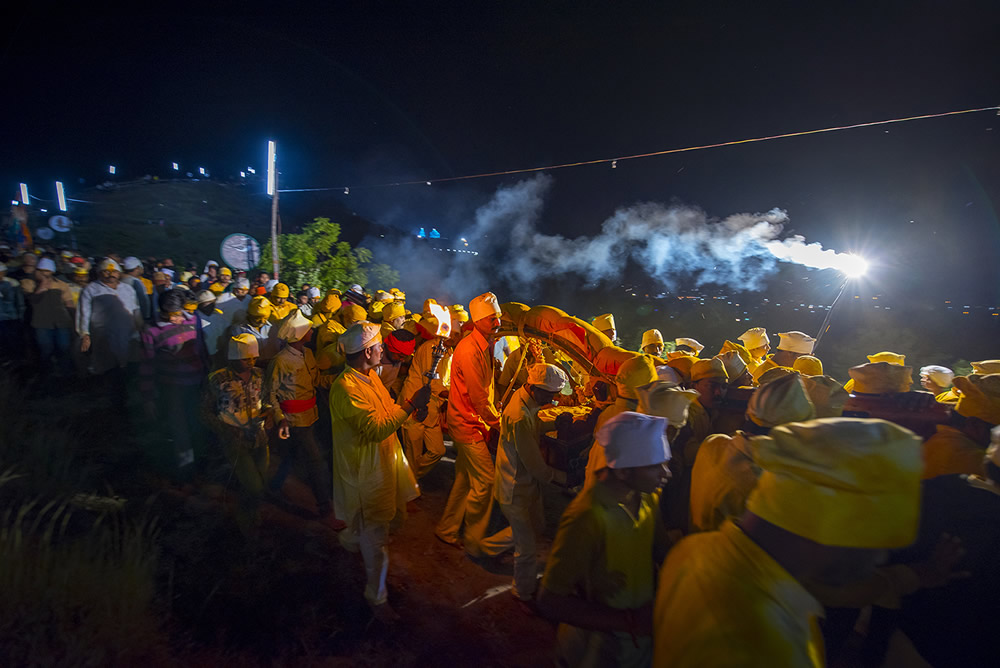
24,193
855,266
111,169
61,196
201,170
271,157
175,166
243,175
251,170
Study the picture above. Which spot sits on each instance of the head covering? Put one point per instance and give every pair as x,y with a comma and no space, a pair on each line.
314,293
774,373
270,284
986,367
780,402
484,306
886,356
980,397
351,313
710,368
881,378
604,322
393,310
633,374
131,262
360,335
217,288
259,307
651,337
632,439
690,343
730,346
279,290
733,363
46,264
755,337
666,374
383,296
682,365
357,289
939,375
459,313
225,271
398,346
186,276
294,327
549,377
808,365
205,297
842,482
329,303
826,394
241,283
397,293
796,342
171,301
758,371
243,346
108,264
211,263
668,402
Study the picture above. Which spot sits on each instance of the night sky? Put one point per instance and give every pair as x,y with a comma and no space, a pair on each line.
375,92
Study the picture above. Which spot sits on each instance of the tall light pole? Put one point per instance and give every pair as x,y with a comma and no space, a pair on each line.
24,195
61,196
272,190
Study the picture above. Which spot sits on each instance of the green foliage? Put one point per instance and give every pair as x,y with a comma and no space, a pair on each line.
316,256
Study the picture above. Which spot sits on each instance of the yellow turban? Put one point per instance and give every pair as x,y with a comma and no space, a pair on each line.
682,365
650,337
360,335
886,356
710,368
986,367
808,365
393,310
755,337
279,290
259,307
604,322
459,313
667,401
351,313
775,373
843,482
980,397
294,327
731,346
780,402
826,394
243,346
763,368
383,296
329,303
881,378
484,306
633,374
399,295
217,288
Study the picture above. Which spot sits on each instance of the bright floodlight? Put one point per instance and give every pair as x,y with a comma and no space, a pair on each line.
855,266
201,170
175,166
24,193
243,175
270,167
251,170
61,196
111,169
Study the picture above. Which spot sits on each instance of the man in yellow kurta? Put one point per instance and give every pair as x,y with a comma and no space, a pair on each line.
372,481
280,306
735,597
959,447
424,438
472,415
599,579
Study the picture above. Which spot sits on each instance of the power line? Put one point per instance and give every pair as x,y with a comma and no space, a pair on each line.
614,161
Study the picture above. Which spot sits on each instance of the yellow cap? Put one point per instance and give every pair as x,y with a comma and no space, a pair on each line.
710,368
808,365
732,346
980,397
826,395
225,271
259,307
881,378
682,365
888,357
329,304
775,373
633,374
842,482
279,290
986,367
459,313
351,313
393,310
780,402
604,322
650,337
763,368
217,288
662,399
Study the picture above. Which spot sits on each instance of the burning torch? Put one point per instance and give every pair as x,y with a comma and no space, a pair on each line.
442,332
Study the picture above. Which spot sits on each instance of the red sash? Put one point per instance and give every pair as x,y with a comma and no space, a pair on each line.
297,405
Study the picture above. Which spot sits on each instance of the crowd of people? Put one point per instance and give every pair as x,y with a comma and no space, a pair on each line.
741,508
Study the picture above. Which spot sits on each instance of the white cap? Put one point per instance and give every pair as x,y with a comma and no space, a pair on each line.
131,262
270,284
294,327
241,283
755,337
690,343
360,335
108,263
666,401
633,439
547,376
205,297
46,264
939,375
666,374
243,346
314,293
357,288
169,272
796,342
484,306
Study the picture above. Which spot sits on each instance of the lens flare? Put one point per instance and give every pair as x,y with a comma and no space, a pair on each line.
854,266
813,255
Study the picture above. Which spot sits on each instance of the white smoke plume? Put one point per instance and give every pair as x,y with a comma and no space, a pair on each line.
671,244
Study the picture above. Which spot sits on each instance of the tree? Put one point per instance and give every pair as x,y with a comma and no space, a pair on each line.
317,257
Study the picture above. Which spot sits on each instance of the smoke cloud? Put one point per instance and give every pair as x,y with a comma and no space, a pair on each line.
672,244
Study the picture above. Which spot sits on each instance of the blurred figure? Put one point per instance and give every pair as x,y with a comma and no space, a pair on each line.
52,303
757,343
280,306
959,446
936,379
107,319
12,309
132,276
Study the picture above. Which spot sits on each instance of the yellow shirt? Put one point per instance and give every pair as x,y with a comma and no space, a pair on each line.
292,375
723,476
471,408
370,473
280,311
423,358
723,601
950,451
